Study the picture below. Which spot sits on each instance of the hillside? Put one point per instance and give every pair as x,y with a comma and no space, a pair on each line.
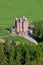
17,39
32,9
19,51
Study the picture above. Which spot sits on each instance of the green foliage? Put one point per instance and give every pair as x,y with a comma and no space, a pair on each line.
3,59
38,29
4,32
21,54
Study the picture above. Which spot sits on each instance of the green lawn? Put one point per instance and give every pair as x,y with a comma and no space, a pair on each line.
4,33
9,9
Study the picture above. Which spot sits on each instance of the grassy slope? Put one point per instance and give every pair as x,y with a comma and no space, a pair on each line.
19,39
32,9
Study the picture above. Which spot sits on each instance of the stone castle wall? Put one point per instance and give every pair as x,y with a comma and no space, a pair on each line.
21,25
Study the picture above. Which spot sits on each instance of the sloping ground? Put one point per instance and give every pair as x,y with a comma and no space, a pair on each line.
4,32
19,39
31,39
2,40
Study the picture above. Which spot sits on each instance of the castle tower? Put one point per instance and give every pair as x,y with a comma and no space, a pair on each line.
26,24
16,25
21,25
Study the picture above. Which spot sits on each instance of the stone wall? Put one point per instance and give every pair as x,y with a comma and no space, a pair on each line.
21,25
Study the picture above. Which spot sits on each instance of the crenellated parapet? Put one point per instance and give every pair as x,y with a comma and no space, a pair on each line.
21,26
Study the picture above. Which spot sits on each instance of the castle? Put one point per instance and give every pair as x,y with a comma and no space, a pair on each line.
21,26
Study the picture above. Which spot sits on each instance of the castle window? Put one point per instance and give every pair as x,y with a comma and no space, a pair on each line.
22,24
19,20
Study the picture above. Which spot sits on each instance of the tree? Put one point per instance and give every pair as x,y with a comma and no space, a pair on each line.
27,55
11,55
38,29
3,59
20,55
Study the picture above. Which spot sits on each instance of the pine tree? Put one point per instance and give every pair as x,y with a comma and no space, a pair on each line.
3,59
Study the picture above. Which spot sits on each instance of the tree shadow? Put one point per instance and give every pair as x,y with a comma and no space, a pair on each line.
38,39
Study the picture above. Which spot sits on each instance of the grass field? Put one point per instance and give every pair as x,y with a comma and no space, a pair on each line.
9,9
17,39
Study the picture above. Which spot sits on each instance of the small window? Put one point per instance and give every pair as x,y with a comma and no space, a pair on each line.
29,27
22,24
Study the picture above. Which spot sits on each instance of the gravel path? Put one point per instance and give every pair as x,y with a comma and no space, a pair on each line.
30,39
25,36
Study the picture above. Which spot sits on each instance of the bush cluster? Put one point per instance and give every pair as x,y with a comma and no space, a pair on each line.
21,54
38,30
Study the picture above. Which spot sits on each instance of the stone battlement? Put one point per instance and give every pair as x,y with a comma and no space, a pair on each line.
21,26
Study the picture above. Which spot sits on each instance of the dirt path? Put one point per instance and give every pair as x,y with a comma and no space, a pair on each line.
31,39
28,38
25,36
